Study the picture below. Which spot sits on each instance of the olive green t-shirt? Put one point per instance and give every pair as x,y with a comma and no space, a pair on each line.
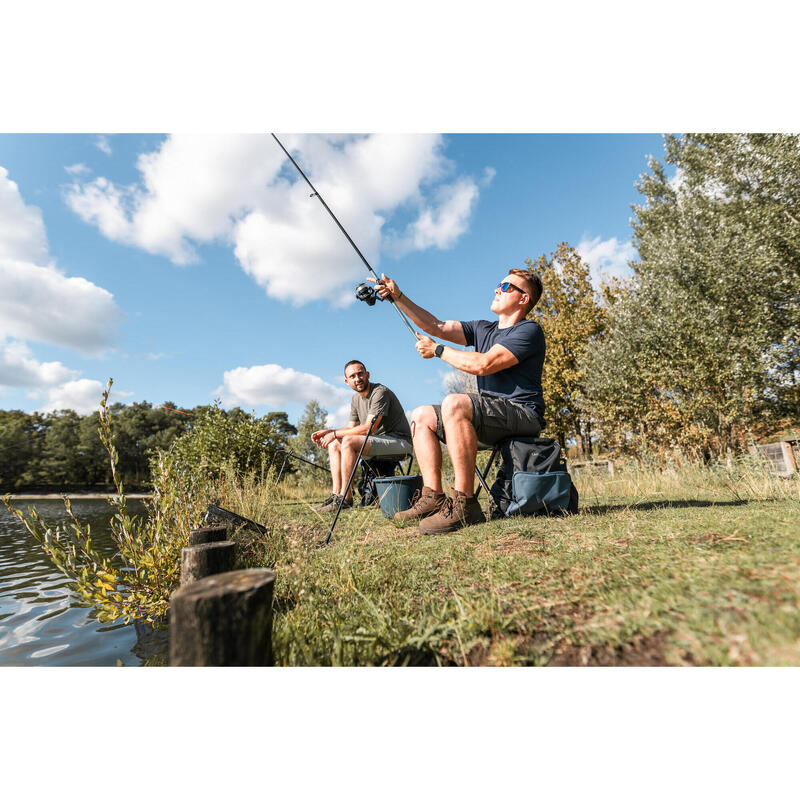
380,400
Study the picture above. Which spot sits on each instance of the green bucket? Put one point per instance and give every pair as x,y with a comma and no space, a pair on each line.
395,493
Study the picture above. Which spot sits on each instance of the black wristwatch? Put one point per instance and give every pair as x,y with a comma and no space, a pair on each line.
439,350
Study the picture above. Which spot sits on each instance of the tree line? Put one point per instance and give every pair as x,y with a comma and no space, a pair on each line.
63,451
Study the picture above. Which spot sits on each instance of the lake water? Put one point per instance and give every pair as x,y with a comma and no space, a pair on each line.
40,622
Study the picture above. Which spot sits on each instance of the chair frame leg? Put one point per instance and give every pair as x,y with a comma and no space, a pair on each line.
482,478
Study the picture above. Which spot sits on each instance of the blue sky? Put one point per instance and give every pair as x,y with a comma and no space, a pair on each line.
195,267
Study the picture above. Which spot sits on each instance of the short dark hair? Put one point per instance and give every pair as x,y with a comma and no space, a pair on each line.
533,280
354,361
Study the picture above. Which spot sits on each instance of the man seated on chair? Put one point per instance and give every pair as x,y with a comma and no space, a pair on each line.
391,434
508,360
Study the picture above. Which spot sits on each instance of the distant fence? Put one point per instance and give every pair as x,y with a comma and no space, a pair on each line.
781,457
597,462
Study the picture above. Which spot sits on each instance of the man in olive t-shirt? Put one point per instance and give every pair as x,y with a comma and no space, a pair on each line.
391,434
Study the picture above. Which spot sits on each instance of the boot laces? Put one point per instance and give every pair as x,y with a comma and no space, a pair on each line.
448,507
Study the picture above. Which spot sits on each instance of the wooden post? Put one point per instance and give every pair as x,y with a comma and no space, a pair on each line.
788,458
201,560
216,533
223,621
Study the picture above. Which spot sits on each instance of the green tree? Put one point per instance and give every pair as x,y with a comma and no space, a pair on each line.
216,438
59,464
312,419
279,421
703,347
139,430
572,319
92,455
21,438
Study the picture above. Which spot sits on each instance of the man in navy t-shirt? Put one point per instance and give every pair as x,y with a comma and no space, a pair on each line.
508,360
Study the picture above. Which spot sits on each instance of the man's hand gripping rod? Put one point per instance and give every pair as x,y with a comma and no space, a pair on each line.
347,235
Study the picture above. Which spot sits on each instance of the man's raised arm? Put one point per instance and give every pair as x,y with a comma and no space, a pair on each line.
449,330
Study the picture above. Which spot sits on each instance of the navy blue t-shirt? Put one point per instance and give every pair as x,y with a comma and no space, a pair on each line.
521,383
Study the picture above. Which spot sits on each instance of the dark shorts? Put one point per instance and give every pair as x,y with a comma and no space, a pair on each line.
495,419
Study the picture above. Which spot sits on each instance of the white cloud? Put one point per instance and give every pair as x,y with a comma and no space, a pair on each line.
102,143
488,176
37,301
607,258
77,169
241,190
22,234
19,368
274,386
441,224
82,395
43,305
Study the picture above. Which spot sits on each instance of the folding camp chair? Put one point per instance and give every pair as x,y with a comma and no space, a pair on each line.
483,475
540,456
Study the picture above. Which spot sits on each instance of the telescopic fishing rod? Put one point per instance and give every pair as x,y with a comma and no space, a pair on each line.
363,292
350,479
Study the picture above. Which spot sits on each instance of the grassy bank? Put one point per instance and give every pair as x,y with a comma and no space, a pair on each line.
692,566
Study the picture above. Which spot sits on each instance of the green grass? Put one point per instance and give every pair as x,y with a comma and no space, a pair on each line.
689,566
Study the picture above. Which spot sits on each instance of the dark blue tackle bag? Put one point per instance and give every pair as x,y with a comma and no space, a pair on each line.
533,479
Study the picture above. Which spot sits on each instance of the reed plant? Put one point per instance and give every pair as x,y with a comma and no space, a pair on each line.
136,583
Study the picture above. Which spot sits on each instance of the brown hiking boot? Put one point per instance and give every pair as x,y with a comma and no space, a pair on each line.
423,504
457,512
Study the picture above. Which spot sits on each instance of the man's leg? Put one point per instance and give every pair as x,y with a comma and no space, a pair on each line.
335,459
428,452
427,447
462,440
351,445
462,444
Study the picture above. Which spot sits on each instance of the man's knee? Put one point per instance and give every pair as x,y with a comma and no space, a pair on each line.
352,443
335,446
423,416
456,406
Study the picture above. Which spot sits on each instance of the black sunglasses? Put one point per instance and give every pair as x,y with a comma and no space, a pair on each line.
506,285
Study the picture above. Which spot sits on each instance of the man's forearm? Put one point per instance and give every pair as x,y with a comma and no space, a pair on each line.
355,430
465,360
419,316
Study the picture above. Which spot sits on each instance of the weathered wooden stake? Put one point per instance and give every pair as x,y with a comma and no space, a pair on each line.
201,560
223,621
216,533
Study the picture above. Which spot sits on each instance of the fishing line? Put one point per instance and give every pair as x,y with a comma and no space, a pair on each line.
360,290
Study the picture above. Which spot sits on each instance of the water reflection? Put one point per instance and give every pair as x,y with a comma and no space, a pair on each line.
40,622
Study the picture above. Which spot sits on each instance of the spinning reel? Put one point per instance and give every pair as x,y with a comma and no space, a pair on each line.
367,293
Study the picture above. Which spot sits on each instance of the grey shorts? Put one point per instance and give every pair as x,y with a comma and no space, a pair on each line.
495,419
382,445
